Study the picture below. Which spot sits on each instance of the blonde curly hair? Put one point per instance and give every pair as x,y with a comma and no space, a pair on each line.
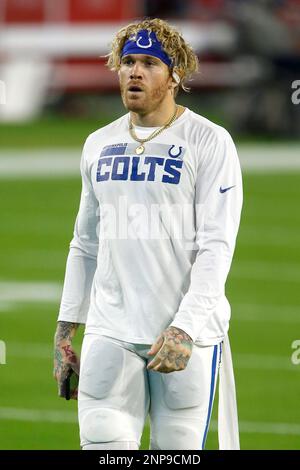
184,59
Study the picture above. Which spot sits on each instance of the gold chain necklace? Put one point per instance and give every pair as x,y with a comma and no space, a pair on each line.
141,148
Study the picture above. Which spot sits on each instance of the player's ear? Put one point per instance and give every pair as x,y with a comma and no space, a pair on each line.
175,77
174,82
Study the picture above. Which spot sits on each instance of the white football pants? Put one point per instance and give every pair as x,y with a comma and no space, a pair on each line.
116,394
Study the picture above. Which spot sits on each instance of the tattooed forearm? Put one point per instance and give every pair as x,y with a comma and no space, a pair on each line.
173,349
65,331
65,358
69,353
58,361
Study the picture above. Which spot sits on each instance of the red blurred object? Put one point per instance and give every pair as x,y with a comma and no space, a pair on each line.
210,3
102,10
289,13
71,11
73,75
23,11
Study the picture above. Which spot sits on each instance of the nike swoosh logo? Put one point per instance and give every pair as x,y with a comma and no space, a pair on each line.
225,189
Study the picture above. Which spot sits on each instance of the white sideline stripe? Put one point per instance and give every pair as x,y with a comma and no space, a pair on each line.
58,416
272,236
273,157
19,414
266,271
15,291
265,313
241,360
29,350
61,162
12,294
256,427
264,362
40,163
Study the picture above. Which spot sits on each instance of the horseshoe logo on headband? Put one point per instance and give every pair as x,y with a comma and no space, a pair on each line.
141,45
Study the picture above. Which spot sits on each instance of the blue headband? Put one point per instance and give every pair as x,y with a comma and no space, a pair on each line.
146,43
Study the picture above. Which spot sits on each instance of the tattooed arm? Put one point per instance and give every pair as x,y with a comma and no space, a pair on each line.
65,359
171,351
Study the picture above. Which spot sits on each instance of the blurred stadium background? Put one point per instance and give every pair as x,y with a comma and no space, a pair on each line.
54,91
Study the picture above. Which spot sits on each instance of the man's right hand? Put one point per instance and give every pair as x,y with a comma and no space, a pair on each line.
65,358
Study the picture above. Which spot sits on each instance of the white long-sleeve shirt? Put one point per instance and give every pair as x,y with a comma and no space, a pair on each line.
155,233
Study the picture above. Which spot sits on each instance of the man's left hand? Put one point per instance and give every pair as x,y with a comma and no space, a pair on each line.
171,351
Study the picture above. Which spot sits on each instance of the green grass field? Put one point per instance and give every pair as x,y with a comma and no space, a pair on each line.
37,219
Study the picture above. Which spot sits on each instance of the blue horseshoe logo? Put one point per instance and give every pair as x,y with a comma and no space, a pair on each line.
177,154
141,45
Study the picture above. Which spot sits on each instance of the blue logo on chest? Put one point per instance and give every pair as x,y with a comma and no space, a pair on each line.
116,162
